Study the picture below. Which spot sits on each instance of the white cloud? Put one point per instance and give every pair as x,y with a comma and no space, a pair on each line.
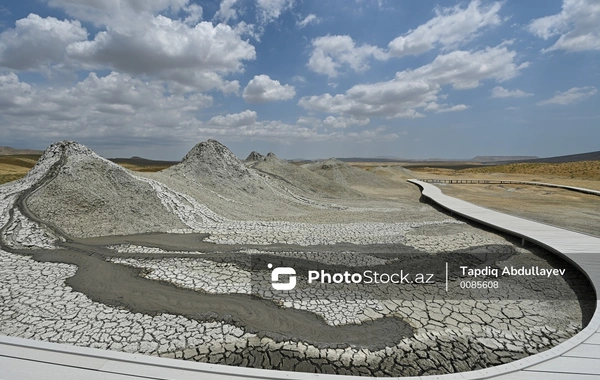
310,19
449,28
13,93
344,122
309,120
116,107
464,69
196,57
194,12
280,132
267,130
573,95
226,11
414,90
115,12
262,89
299,79
501,92
117,110
578,25
94,92
270,10
146,38
36,42
441,108
246,117
330,53
369,135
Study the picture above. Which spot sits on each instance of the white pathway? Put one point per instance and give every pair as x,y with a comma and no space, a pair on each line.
484,181
577,358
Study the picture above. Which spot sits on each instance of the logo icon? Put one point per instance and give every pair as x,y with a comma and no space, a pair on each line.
282,271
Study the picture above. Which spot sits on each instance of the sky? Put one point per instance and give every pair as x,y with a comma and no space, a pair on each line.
302,78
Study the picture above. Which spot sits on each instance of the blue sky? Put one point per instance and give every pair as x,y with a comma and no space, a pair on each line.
302,78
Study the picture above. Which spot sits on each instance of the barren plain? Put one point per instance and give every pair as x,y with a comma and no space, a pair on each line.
175,263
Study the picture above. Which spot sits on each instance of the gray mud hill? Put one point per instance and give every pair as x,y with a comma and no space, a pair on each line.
215,177
356,178
272,189
302,178
92,196
254,156
212,165
395,172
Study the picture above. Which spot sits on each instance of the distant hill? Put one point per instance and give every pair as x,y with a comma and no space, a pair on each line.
388,159
502,158
8,151
367,159
139,161
349,176
300,177
590,156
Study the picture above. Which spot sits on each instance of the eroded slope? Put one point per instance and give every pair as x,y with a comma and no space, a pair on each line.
91,196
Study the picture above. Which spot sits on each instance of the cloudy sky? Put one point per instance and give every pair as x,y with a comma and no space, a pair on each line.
302,78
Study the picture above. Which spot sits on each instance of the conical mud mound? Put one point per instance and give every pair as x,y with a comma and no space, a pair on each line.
303,178
86,195
254,156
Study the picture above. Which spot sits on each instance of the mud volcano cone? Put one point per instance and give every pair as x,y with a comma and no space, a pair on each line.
86,195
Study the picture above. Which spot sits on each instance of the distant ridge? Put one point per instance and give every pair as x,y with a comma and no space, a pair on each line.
135,160
8,151
368,159
590,156
502,158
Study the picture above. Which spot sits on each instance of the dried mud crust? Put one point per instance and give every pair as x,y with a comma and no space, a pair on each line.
66,303
161,298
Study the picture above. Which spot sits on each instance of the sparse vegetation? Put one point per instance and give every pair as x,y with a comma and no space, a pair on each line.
430,170
14,167
581,170
21,160
585,170
5,178
145,168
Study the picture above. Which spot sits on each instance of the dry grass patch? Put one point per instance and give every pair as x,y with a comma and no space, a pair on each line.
15,167
440,171
581,170
5,178
144,168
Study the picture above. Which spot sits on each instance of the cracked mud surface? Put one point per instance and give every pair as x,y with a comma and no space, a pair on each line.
186,296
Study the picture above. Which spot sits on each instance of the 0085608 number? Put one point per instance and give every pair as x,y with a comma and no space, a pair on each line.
479,284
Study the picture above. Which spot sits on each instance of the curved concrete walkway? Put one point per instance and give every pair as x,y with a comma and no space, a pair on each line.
501,182
577,358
